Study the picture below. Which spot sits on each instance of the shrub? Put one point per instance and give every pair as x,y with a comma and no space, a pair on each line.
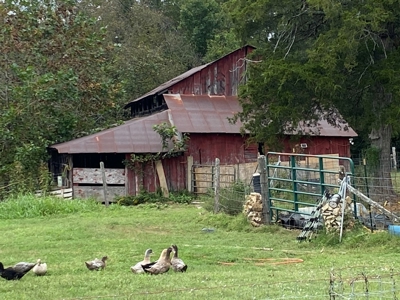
143,197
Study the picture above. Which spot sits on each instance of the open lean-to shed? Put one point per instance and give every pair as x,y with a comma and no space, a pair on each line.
198,103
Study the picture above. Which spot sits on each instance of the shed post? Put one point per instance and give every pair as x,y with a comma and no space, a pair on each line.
216,186
103,174
262,165
189,173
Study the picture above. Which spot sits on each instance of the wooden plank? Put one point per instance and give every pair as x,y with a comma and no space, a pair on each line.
189,173
162,179
97,192
104,179
374,204
94,175
61,193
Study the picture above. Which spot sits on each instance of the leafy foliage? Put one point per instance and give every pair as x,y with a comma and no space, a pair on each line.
181,197
320,58
55,83
169,135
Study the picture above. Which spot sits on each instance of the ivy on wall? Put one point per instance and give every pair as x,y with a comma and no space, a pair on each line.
169,137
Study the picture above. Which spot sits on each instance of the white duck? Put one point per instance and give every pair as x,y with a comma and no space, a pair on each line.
40,268
138,269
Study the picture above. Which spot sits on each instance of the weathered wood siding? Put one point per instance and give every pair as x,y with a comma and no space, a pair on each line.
93,175
231,149
222,77
88,182
97,192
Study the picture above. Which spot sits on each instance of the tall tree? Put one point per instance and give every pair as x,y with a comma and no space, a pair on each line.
54,82
199,21
319,56
151,50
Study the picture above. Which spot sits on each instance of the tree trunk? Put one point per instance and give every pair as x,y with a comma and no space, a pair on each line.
381,184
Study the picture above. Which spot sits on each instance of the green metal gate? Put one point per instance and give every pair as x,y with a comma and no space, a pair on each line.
297,181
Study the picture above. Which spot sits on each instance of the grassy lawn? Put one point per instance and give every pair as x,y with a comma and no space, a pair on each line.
233,261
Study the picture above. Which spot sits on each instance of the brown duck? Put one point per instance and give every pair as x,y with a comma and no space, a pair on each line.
162,265
96,264
177,264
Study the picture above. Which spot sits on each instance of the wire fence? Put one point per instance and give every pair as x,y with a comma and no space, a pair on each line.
356,282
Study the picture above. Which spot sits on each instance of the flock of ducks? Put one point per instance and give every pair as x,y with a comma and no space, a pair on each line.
19,270
160,266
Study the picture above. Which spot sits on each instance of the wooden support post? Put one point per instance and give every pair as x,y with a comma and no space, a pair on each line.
103,174
189,173
262,165
162,179
216,185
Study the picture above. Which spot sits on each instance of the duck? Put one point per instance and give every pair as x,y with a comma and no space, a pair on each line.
40,268
16,272
177,264
137,268
162,265
96,264
22,266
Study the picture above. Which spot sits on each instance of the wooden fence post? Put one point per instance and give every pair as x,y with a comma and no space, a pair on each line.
103,173
216,186
262,165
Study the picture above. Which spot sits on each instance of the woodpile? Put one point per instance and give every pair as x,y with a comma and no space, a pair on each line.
252,209
332,213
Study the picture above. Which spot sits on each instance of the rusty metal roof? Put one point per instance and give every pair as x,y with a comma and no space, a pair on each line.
163,87
203,113
134,136
188,113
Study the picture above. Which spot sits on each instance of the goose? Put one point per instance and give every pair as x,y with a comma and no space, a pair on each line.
96,264
162,265
138,269
16,272
177,264
40,268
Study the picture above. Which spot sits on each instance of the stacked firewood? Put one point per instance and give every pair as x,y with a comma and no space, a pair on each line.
332,213
252,209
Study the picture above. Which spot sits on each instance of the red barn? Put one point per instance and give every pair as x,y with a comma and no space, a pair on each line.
197,103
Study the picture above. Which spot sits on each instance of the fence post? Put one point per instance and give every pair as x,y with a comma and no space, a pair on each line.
264,189
216,186
103,173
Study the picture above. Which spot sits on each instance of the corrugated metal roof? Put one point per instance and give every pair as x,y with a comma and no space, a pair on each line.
169,83
134,136
188,113
203,113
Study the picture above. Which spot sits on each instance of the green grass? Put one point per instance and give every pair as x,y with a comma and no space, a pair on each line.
235,261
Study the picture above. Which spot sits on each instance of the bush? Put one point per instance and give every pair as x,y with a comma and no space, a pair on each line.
142,197
182,197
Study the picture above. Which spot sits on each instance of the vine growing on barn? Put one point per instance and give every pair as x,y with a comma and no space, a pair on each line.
170,138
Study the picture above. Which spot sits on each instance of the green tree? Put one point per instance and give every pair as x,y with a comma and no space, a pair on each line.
320,56
199,22
151,50
55,83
